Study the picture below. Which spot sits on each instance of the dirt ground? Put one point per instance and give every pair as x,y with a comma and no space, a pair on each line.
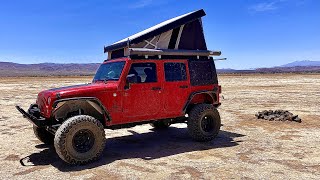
245,147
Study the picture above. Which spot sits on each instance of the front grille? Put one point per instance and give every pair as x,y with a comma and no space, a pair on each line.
41,101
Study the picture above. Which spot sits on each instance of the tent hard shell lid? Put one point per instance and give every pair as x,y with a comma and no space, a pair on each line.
179,36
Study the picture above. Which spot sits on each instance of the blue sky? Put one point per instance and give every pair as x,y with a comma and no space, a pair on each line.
250,33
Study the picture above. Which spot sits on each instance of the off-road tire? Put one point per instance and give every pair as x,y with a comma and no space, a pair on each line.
160,124
43,135
197,117
64,140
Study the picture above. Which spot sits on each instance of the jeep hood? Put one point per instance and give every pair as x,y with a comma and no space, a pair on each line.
82,90
46,98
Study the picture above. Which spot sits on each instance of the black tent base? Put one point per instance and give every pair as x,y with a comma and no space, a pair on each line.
172,52
145,53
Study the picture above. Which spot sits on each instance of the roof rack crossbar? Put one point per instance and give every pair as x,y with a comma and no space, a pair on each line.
172,52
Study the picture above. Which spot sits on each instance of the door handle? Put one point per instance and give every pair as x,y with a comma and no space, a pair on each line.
156,88
185,86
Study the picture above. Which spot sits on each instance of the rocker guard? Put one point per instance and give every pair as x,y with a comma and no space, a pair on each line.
39,122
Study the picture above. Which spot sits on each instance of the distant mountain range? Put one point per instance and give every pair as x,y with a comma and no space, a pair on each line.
303,63
47,69
304,66
9,69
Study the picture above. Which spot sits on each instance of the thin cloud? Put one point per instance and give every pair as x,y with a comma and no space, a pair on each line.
272,5
265,6
140,4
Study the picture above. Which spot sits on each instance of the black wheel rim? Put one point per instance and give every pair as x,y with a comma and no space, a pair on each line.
207,124
83,140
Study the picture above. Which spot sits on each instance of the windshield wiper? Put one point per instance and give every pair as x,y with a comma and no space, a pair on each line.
110,79
106,79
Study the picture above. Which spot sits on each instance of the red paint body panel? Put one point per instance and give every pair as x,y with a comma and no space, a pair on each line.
175,93
142,101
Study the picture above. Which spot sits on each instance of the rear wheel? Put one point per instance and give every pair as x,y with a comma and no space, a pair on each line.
43,135
80,139
204,122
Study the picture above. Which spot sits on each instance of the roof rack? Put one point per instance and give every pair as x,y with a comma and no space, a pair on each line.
172,52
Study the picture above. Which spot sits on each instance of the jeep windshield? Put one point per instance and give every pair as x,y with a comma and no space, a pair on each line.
109,71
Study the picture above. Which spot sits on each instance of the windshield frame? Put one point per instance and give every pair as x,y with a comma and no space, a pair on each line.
97,77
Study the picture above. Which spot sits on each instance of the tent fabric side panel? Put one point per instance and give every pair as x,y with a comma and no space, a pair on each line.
174,37
179,37
117,53
158,42
192,36
148,43
164,39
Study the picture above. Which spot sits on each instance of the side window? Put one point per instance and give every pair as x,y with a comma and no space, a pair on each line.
175,72
202,72
144,72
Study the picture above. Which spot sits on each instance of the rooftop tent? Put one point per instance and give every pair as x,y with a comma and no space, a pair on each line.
184,32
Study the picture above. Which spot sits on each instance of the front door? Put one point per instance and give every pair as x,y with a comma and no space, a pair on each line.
142,99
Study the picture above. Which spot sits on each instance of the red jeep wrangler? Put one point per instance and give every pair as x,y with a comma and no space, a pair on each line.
151,77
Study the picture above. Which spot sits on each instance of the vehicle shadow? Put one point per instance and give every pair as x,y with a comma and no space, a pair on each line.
147,146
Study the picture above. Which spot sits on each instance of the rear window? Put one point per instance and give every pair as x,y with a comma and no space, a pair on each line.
202,72
175,72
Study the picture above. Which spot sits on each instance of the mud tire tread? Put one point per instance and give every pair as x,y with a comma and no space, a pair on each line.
63,132
194,124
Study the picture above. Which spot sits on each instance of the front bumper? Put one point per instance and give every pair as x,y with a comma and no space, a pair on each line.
37,121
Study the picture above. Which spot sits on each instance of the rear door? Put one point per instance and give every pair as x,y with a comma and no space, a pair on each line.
176,86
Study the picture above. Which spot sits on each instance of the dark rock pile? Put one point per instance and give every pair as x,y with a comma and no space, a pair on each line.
277,115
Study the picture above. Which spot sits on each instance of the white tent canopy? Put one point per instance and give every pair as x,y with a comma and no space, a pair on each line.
183,32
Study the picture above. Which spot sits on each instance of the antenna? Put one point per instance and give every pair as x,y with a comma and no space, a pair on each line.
220,59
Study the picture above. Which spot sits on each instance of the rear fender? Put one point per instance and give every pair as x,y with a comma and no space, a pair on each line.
207,97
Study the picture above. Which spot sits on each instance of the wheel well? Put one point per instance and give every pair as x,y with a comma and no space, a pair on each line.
66,109
201,98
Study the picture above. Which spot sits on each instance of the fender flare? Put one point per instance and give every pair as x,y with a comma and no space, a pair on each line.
92,99
210,93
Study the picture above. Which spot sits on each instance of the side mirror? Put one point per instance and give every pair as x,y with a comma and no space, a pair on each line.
131,78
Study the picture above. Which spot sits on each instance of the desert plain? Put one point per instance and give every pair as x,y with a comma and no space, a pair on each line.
246,148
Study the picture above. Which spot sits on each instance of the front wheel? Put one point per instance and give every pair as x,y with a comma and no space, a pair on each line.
204,122
80,139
